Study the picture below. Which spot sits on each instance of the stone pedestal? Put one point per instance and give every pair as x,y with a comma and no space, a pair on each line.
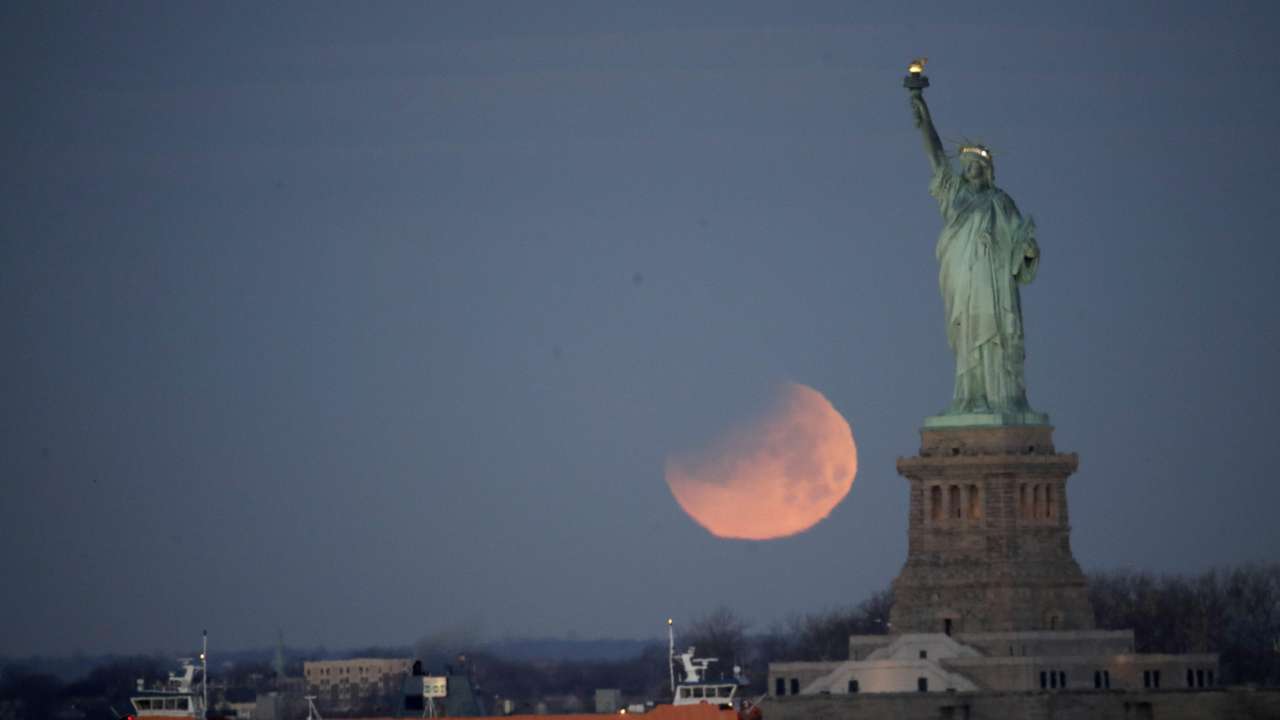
988,535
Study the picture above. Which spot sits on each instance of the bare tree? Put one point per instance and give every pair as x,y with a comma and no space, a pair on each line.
720,634
1234,612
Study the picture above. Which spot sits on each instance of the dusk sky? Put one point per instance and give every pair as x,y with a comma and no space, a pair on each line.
371,321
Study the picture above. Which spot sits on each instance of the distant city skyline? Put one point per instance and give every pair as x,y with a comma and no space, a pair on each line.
373,326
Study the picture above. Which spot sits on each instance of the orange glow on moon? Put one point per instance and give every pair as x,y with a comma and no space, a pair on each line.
776,475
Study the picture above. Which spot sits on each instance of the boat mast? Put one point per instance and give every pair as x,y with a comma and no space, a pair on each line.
204,670
671,655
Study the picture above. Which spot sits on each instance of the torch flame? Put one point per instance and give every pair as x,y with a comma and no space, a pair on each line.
917,66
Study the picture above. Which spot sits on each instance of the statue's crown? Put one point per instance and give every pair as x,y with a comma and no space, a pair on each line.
977,150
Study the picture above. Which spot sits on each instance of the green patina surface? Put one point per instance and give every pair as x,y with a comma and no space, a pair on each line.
959,420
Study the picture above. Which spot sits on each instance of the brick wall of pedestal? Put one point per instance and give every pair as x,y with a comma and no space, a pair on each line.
989,535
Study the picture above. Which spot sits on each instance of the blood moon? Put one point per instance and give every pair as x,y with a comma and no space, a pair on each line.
775,475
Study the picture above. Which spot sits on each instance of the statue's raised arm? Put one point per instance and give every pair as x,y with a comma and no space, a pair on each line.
916,82
924,121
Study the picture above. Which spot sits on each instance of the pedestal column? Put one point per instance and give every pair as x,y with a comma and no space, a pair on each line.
989,535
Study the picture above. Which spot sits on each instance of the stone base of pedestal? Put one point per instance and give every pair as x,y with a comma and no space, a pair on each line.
988,535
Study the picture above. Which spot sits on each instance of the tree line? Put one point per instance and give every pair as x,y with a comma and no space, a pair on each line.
1234,612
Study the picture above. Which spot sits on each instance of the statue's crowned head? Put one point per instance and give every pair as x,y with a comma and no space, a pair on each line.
977,163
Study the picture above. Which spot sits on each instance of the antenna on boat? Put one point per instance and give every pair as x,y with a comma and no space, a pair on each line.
204,668
312,712
671,655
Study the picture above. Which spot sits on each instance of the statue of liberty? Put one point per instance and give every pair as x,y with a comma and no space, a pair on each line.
985,251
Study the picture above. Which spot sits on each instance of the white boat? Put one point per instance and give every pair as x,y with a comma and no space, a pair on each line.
697,689
178,697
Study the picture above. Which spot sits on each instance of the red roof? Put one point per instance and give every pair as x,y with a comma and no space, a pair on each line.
660,712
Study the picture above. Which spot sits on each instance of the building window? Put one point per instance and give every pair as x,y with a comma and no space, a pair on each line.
795,686
922,684
1062,679
1106,679
1151,679
853,686
953,504
1044,680
975,507
1049,510
946,625
1191,677
1022,500
1036,502
1097,679
780,687
1208,678
935,503
924,654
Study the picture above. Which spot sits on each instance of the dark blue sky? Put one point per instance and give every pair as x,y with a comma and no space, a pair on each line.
367,322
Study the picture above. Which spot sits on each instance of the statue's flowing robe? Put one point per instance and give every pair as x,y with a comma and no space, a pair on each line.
985,251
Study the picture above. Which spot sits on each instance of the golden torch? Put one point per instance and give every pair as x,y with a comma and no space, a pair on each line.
915,81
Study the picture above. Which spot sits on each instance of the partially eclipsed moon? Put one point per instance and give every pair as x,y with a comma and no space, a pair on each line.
776,475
